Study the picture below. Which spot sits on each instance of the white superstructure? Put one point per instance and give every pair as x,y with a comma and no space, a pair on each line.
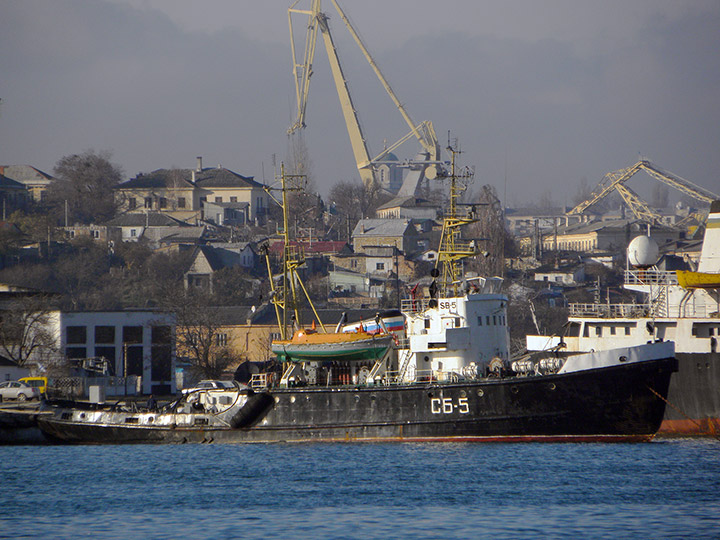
453,337
669,312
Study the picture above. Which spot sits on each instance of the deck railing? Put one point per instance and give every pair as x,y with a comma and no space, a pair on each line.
608,310
650,277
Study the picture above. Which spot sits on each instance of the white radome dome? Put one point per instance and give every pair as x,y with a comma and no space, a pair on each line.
643,252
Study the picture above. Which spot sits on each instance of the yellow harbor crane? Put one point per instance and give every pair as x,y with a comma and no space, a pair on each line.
302,72
615,181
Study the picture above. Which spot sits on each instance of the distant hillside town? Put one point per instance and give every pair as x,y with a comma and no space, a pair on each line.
161,279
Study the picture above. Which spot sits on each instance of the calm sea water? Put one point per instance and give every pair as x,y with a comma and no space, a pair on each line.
664,489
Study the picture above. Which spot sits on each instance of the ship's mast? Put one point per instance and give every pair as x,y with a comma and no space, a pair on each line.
293,258
452,248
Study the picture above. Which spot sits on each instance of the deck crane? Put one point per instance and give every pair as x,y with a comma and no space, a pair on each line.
302,72
615,181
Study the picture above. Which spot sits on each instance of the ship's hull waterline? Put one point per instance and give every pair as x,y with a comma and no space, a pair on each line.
613,404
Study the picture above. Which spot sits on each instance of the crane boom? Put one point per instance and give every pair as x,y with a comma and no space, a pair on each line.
357,139
424,132
615,181
302,72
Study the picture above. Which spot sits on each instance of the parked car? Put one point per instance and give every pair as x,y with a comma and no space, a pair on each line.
211,385
41,383
18,390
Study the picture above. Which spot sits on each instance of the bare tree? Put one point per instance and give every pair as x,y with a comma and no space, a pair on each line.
83,187
660,196
489,232
199,336
353,201
25,330
582,193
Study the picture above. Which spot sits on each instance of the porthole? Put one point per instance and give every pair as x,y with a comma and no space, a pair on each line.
551,386
514,389
480,392
463,393
292,399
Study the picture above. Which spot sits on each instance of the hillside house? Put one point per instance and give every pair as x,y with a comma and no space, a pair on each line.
605,236
34,180
408,236
182,192
134,226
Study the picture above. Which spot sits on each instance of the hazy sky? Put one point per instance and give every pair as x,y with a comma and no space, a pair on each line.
543,93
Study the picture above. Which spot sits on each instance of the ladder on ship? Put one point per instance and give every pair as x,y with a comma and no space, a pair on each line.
659,303
404,355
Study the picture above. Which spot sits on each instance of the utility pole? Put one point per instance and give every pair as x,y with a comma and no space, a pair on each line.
397,277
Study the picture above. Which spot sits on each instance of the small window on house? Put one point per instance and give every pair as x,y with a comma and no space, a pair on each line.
163,202
494,320
353,263
457,322
95,234
233,199
218,199
221,340
132,203
72,234
148,202
380,266
181,202
133,232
